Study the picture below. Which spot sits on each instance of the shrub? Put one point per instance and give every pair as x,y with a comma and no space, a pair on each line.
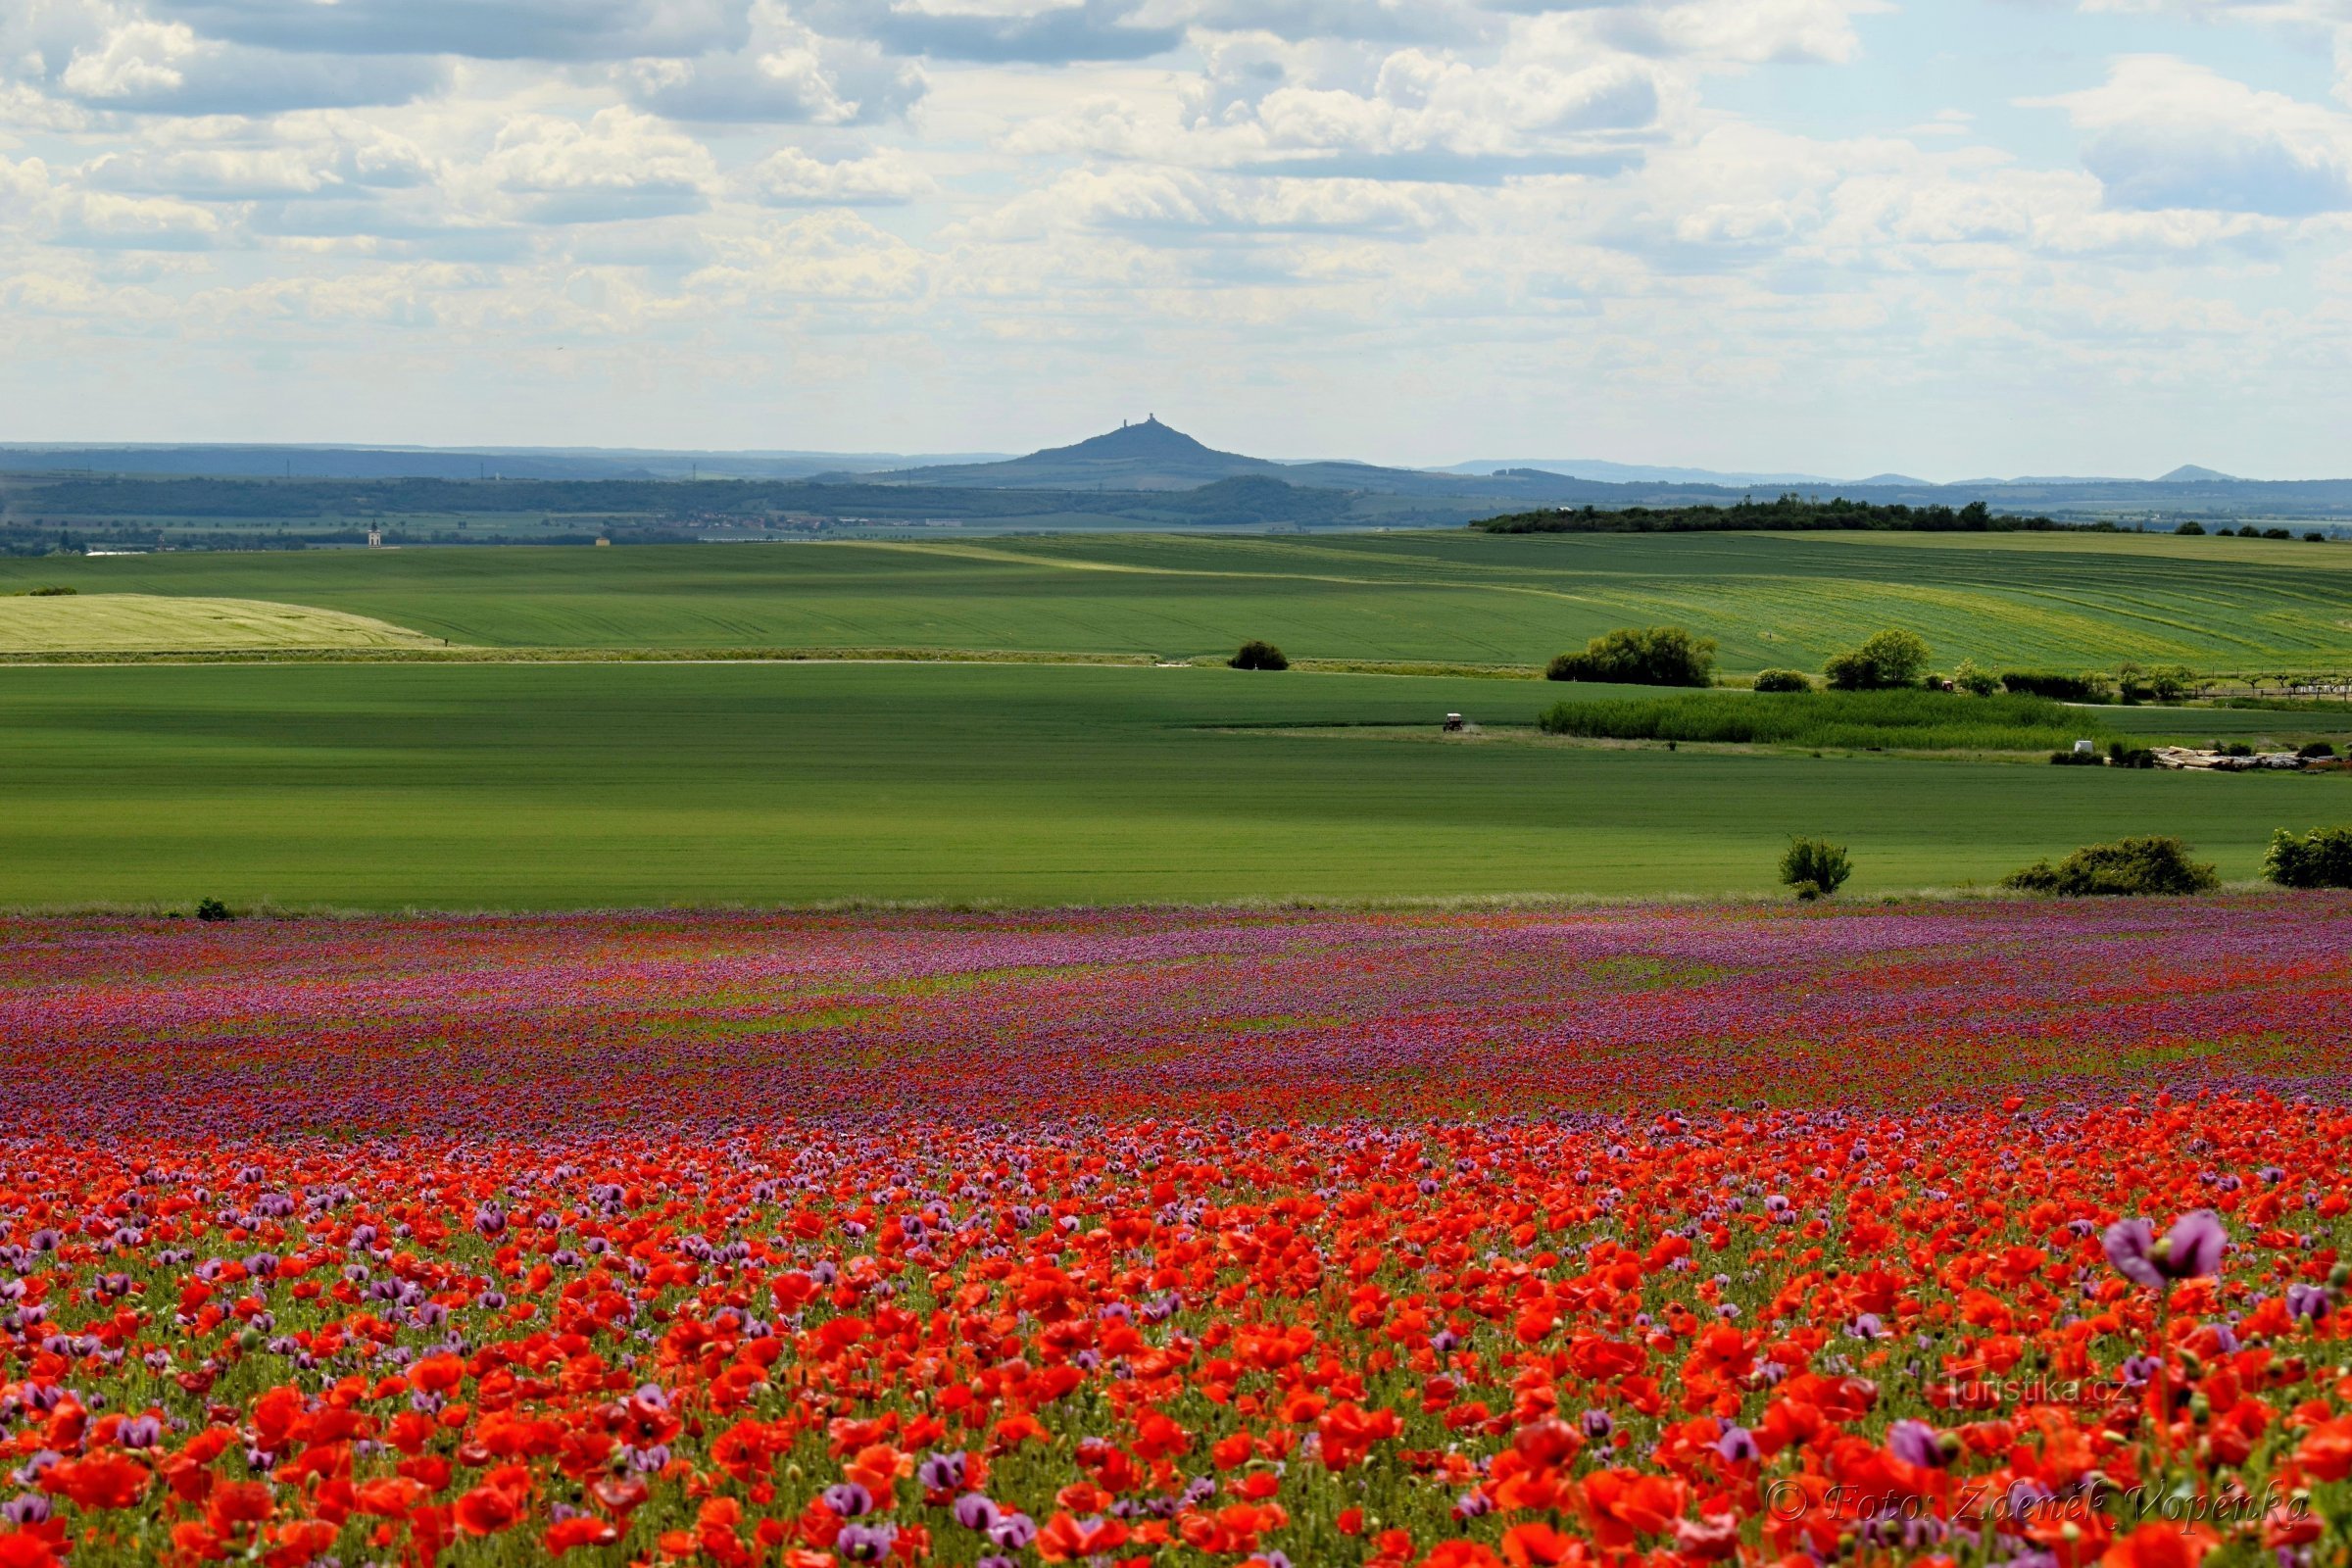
2315,537
1975,680
51,592
1783,681
2276,533
1853,720
2123,753
2126,867
2054,685
1815,867
213,910
2070,757
2318,858
2315,750
1256,654
2192,530
2169,683
1641,655
1888,659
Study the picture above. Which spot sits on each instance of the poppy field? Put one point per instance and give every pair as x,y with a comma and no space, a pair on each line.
1969,1233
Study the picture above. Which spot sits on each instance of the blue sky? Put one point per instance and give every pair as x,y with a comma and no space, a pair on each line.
1952,239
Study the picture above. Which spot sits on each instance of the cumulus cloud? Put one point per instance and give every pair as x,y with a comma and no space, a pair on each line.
99,219
294,155
1740,31
168,68
1135,200
826,256
1537,193
1421,117
792,179
619,164
799,78
2162,132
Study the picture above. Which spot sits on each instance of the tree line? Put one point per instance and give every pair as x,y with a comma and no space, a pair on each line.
1790,512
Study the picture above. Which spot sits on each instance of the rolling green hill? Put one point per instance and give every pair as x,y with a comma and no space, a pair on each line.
2067,601
571,785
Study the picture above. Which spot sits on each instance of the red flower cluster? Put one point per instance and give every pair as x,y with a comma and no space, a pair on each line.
925,1317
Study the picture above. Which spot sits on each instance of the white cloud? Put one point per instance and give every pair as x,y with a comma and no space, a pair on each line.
99,218
619,164
169,67
1730,32
791,178
824,256
783,73
2162,132
990,209
292,156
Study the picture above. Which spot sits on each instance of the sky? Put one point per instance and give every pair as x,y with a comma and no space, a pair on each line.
1951,238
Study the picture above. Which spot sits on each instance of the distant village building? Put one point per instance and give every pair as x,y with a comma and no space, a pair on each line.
375,538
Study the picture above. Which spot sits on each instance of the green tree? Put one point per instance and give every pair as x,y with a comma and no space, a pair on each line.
2318,858
1641,655
2124,867
1258,655
1974,679
1889,659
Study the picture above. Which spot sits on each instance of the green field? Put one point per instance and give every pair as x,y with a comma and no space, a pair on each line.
567,785
2066,600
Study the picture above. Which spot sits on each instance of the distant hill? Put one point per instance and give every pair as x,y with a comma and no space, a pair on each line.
2190,474
1152,455
1149,455
1633,472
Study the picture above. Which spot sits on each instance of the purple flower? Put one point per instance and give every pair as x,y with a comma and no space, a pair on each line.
849,1499
1917,1443
1738,1445
975,1512
30,1508
1012,1530
2307,1300
941,1472
2190,1249
865,1543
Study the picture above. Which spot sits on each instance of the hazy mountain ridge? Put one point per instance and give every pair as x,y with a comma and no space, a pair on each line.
1146,475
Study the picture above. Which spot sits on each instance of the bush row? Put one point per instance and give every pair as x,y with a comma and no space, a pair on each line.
2132,867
